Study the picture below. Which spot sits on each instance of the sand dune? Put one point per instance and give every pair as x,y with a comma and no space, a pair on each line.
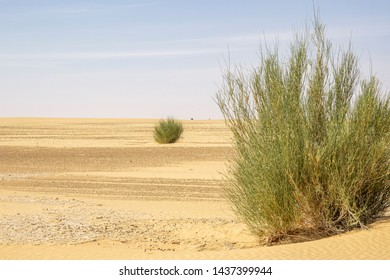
103,189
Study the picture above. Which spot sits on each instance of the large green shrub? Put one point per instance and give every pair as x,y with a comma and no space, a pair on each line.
311,139
167,131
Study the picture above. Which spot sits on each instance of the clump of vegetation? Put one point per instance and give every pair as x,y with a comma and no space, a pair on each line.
168,131
311,138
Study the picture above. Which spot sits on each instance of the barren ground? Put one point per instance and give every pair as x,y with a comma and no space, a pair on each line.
103,189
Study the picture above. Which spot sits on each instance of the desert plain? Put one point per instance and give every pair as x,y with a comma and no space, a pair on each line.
104,189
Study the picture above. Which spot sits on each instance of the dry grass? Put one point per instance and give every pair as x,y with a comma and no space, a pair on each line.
168,131
311,139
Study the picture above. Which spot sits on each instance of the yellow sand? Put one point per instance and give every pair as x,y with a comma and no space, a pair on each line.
103,189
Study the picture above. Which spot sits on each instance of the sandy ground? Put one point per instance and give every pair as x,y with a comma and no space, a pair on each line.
103,189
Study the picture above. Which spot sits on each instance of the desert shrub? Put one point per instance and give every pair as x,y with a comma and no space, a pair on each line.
168,131
311,139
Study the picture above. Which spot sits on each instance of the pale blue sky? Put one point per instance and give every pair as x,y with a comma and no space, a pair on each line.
155,58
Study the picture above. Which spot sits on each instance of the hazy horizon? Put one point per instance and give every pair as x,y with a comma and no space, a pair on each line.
153,59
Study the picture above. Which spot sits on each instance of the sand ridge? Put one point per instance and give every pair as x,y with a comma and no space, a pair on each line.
102,189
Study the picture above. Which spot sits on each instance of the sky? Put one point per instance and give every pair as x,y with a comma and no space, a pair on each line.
159,58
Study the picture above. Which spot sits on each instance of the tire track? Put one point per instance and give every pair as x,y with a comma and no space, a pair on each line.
129,188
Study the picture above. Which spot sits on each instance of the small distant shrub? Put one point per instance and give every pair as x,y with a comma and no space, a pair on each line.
311,138
167,131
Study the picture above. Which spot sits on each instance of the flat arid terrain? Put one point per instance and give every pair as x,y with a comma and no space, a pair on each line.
103,189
